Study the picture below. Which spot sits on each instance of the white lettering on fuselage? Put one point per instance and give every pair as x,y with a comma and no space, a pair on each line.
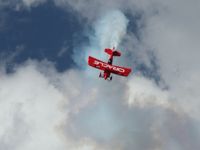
108,66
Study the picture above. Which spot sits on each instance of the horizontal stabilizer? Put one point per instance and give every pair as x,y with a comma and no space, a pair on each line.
112,53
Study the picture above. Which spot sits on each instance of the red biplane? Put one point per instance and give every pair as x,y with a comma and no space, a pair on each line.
108,68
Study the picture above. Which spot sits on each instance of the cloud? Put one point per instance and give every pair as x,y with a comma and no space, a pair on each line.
30,3
71,110
35,104
44,109
172,34
24,119
19,4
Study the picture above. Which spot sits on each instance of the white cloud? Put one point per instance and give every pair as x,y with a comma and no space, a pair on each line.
29,111
35,105
43,109
144,93
29,3
173,35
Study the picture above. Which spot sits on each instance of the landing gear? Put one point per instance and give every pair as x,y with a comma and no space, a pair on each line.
100,76
110,78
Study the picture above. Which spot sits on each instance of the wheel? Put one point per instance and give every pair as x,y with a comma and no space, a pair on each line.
111,78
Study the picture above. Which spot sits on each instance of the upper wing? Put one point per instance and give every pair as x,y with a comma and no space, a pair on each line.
96,63
122,71
105,66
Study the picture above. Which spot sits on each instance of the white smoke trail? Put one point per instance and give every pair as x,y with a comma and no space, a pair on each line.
109,31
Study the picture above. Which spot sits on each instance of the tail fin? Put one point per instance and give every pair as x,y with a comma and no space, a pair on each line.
112,52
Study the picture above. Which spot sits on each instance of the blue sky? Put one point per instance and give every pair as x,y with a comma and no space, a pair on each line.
42,32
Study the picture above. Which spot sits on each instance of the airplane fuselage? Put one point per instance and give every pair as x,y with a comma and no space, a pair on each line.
106,73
